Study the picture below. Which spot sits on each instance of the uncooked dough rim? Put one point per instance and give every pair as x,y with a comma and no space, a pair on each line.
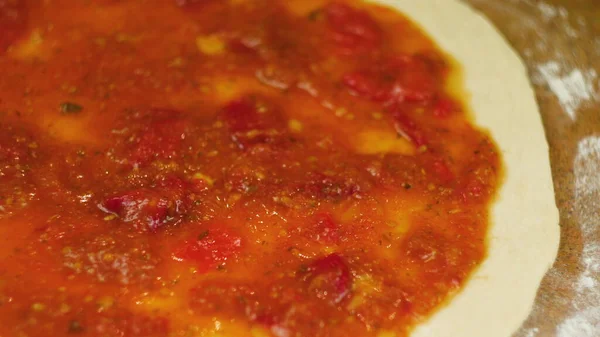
524,235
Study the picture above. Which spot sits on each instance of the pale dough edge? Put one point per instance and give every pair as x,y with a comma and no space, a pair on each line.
524,237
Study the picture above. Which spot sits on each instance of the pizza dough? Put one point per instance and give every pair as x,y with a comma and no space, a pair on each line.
524,233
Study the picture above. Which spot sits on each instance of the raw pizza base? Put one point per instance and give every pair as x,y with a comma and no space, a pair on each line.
524,233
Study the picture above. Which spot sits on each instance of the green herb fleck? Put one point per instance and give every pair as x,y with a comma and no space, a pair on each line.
70,108
315,15
75,326
203,235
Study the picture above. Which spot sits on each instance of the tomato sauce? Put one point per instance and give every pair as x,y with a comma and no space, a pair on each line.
231,168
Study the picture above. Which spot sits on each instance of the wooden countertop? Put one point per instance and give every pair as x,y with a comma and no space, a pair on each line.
560,43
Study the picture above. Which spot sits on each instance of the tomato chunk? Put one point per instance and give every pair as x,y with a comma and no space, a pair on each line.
242,115
415,79
366,84
329,278
252,122
13,21
138,204
352,30
396,80
149,209
408,129
210,248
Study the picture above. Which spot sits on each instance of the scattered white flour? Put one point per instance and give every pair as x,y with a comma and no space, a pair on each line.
550,12
547,11
580,325
532,332
587,168
586,323
571,88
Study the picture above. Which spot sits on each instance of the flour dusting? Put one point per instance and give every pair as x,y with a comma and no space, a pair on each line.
572,88
586,323
532,332
580,326
550,12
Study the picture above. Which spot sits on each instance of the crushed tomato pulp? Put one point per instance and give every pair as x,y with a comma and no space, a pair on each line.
296,168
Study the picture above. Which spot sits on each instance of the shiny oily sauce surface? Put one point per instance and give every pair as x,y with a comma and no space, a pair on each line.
231,168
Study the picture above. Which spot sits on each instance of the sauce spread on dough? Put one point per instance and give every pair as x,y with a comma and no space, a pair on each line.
231,168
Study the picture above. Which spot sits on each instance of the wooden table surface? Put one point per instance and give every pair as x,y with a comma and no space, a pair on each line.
560,43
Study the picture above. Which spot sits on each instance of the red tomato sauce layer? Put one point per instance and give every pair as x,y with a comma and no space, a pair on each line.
296,168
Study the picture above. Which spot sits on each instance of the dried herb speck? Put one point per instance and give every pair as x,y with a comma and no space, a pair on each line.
315,14
203,235
70,108
75,326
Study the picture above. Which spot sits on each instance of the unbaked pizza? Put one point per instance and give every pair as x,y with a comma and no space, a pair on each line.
295,168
